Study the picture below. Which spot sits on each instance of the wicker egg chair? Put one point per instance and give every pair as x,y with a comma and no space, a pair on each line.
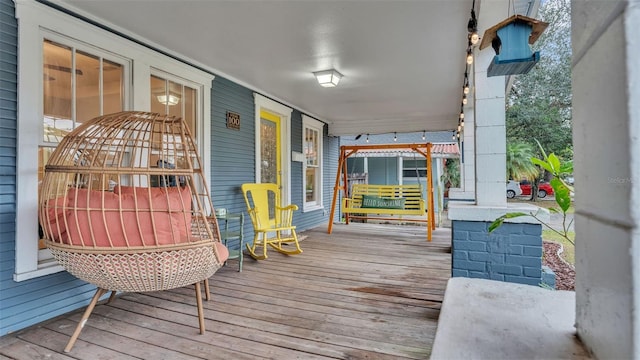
124,206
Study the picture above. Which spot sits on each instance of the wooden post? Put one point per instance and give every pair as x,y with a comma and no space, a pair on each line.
336,188
345,181
431,223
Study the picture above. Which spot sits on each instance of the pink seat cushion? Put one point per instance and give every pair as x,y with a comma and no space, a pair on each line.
222,251
54,224
153,216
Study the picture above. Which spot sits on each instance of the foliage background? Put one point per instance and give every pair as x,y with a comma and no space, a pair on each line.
539,103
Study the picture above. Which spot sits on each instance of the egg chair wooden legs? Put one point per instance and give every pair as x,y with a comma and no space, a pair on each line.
207,290
100,291
200,308
85,317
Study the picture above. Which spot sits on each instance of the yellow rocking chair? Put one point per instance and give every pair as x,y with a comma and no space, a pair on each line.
272,224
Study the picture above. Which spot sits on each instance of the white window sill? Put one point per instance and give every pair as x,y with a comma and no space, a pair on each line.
47,268
312,208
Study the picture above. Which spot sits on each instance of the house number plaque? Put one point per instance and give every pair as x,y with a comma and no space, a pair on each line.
233,120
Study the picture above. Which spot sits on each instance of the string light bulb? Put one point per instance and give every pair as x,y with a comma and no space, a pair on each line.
465,89
395,136
453,135
469,56
424,134
474,38
461,116
367,138
464,100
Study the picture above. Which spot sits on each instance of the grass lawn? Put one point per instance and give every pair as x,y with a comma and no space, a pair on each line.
543,204
569,253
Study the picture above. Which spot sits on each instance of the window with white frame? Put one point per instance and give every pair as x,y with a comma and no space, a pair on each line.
65,78
79,82
312,131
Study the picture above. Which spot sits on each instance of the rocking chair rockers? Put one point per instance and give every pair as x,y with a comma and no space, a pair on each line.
272,224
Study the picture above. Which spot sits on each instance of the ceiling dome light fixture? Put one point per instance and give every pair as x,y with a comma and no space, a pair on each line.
328,78
168,99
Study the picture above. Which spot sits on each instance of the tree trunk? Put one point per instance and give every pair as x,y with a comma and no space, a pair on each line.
534,190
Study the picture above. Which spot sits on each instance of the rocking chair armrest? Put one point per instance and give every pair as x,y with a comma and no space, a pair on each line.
286,214
293,207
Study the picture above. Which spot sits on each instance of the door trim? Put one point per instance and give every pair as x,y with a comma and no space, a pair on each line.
284,112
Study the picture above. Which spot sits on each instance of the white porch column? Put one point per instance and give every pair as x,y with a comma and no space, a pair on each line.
476,252
469,166
606,136
490,130
467,189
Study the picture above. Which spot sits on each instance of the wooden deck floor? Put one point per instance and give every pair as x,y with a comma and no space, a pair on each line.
365,292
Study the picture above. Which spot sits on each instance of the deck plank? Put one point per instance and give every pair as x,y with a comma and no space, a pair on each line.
367,291
223,330
14,347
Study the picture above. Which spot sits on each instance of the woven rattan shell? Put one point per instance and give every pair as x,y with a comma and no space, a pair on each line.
148,152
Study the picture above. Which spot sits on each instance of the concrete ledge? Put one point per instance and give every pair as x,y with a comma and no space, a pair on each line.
485,319
472,212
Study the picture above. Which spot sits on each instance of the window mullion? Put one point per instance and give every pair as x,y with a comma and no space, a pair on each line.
182,107
73,87
101,86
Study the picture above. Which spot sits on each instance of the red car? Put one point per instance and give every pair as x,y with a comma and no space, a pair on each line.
544,189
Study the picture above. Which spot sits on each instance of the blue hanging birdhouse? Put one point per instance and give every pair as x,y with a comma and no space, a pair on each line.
511,40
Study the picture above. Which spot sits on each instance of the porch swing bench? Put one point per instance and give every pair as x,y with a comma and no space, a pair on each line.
371,199
366,200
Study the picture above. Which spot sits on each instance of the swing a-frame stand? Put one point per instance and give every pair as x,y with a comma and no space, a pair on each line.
363,200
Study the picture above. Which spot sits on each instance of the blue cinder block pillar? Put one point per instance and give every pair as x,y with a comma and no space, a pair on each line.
512,253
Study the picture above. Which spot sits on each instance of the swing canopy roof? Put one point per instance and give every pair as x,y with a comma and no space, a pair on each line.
438,150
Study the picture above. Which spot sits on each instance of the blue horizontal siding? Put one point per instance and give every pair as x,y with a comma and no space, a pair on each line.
6,123
233,151
332,157
42,309
46,287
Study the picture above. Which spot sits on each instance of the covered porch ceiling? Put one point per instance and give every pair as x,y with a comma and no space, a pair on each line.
403,61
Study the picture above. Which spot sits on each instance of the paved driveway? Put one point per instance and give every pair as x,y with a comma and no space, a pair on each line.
556,221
